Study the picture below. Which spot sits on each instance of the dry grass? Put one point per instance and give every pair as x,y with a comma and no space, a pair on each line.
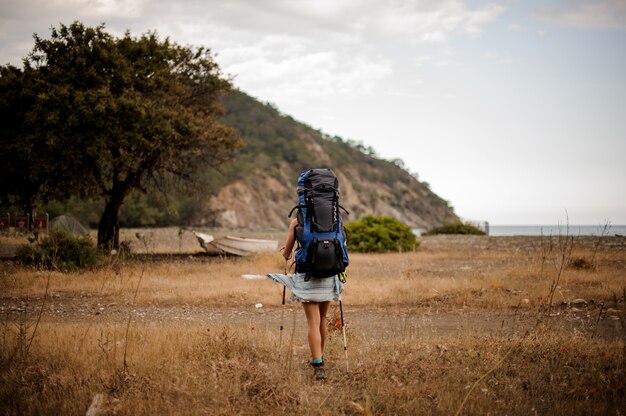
459,325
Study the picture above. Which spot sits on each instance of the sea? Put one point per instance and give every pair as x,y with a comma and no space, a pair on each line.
547,230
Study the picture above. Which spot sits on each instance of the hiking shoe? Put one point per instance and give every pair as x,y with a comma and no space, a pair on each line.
319,373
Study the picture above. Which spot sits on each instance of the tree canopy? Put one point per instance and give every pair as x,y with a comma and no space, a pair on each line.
97,116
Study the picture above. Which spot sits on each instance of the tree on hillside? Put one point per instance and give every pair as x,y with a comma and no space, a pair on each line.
102,116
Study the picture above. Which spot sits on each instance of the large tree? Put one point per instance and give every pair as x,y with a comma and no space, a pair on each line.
109,115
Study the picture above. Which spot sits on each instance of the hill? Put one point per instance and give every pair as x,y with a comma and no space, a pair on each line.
258,188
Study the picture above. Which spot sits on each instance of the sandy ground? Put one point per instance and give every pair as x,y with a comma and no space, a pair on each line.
606,320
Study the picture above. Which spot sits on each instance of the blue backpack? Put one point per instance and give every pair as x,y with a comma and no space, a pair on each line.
322,250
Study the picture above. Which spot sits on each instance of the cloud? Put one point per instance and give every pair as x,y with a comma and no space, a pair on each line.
108,8
19,21
603,14
428,21
289,50
276,49
294,78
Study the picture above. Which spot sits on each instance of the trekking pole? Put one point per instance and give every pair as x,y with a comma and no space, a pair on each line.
343,330
282,317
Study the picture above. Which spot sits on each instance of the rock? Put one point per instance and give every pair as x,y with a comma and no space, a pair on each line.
103,405
96,405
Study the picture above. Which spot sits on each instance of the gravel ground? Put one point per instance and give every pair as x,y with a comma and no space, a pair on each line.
366,322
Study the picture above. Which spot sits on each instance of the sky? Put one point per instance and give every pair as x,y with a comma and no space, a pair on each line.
513,111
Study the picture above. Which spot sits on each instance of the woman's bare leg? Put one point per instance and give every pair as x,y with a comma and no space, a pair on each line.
323,306
313,311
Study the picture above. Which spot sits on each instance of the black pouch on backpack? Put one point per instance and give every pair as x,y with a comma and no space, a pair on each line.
326,258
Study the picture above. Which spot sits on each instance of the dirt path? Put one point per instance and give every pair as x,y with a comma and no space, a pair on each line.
393,321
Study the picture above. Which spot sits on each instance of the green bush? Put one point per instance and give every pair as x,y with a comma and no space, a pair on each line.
455,228
379,234
61,251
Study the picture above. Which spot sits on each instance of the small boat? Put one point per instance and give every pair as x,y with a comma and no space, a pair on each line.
205,240
237,246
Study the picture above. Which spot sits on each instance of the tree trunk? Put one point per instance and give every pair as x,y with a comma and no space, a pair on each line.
108,229
30,210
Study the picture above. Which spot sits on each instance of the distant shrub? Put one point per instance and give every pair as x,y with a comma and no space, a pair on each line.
61,251
455,228
581,263
379,234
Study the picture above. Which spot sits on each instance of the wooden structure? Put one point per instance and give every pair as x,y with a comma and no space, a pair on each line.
5,223
40,223
22,224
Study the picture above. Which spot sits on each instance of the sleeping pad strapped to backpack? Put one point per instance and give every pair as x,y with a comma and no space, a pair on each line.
322,250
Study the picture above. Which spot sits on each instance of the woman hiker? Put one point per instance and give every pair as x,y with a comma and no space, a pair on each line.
315,296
